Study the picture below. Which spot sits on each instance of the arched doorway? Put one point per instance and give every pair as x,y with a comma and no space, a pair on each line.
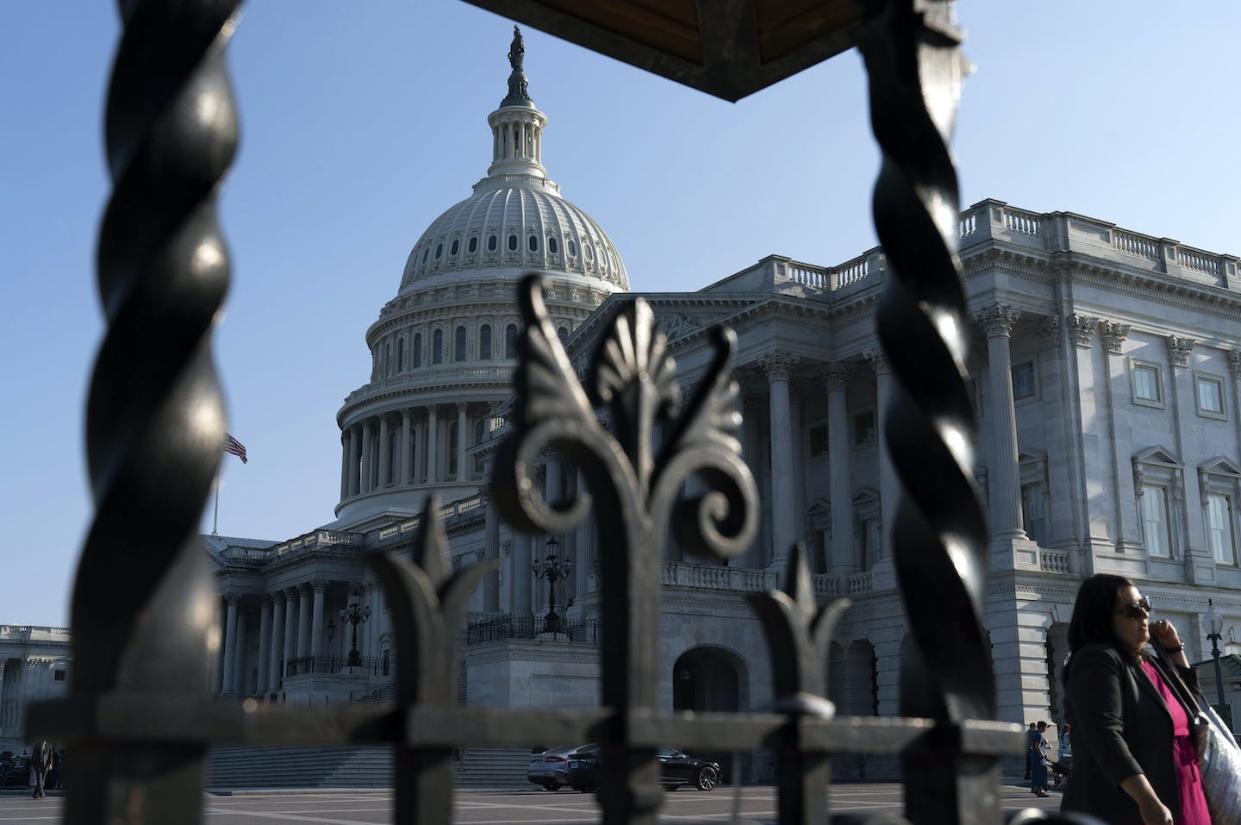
710,679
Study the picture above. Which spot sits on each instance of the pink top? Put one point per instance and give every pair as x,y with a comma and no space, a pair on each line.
1185,757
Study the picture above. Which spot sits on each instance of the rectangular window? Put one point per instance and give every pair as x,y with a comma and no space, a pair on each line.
1034,512
1220,536
818,440
1210,396
1146,384
864,428
58,676
1155,521
1023,381
872,537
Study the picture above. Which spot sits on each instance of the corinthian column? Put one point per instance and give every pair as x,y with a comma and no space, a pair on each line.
433,446
316,621
1002,469
777,366
290,629
230,644
407,453
303,623
264,642
491,539
366,458
385,453
355,447
836,381
275,662
462,474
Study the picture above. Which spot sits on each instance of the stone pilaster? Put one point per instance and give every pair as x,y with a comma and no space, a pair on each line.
319,588
1113,336
303,622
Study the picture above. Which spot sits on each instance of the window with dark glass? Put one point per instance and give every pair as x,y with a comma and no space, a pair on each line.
512,242
437,346
864,428
417,349
562,333
818,440
484,342
491,243
458,350
439,250
572,248
473,247
1023,381
553,246
456,246
534,243
400,354
510,342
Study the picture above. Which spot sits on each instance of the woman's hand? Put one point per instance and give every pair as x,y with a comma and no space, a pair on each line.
1154,812
1164,633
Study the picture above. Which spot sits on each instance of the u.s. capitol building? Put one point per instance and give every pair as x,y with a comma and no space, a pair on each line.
1107,378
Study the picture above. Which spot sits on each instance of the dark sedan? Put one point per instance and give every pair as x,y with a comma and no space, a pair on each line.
676,768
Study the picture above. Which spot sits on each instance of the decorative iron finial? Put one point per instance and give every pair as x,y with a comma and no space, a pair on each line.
518,89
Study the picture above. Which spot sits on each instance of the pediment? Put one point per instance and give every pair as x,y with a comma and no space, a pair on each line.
866,495
1157,455
1220,466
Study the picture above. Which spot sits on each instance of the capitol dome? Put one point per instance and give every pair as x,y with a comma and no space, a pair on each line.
516,218
443,351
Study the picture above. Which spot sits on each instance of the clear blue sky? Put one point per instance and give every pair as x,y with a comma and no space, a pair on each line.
362,121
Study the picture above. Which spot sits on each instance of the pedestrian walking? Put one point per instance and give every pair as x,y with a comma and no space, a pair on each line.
1133,757
40,763
1031,733
1038,760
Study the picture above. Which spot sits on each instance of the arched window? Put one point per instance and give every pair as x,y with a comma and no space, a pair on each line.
491,243
437,347
458,349
534,243
439,250
572,248
484,342
562,333
455,248
512,243
400,355
587,252
417,350
510,342
473,247
387,357
425,253
553,246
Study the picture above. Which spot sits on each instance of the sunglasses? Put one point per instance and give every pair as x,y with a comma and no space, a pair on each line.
1136,610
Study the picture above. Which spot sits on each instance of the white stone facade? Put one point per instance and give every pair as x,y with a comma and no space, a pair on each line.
34,665
1106,372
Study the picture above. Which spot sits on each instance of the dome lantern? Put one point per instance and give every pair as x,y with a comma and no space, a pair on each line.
517,126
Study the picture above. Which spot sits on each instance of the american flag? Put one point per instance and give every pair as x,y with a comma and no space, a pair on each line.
232,445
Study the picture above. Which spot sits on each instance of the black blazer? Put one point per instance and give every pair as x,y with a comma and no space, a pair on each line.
1121,727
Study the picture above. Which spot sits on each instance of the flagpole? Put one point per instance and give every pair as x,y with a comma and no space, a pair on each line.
215,517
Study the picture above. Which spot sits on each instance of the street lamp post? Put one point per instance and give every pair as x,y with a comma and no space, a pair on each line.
1215,632
554,570
355,615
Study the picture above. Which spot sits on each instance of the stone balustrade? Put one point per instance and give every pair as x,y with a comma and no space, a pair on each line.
992,220
1054,561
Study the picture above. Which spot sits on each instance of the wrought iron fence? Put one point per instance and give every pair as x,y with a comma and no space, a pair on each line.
525,626
140,717
334,664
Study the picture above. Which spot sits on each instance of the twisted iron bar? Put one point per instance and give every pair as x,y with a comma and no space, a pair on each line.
144,603
939,535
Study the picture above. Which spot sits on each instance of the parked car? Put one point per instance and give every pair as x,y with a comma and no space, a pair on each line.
547,767
15,773
676,768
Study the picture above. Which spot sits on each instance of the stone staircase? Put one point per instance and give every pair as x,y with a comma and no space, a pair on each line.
288,767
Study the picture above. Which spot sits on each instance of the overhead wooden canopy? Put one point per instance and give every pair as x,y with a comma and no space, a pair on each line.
727,48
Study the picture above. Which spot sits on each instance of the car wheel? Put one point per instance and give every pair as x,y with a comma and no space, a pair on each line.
708,778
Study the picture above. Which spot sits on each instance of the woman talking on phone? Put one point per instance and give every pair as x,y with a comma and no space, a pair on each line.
1134,761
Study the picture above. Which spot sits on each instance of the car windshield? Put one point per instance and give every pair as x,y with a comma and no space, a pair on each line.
669,752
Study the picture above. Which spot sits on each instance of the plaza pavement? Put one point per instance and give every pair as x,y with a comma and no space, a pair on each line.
349,807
